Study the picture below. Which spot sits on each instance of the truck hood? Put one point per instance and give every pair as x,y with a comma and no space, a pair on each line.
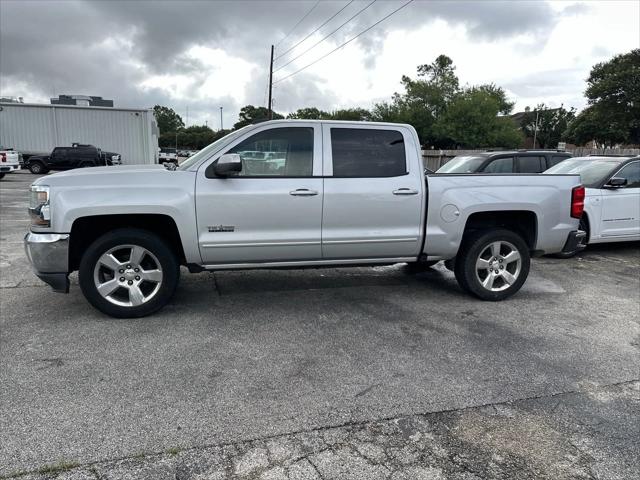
112,175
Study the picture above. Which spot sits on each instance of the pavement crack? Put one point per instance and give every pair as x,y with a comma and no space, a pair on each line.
92,465
215,284
315,467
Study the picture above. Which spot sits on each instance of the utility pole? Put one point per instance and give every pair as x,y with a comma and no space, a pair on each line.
187,124
535,130
270,83
221,127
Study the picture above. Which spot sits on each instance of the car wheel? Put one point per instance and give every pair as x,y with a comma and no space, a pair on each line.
37,168
128,273
493,265
2,175
584,225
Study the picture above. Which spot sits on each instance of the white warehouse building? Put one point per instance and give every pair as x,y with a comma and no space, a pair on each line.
32,128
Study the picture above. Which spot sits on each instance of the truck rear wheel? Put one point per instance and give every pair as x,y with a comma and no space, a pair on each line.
493,264
37,168
128,273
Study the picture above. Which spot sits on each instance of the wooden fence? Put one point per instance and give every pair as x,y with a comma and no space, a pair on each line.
434,159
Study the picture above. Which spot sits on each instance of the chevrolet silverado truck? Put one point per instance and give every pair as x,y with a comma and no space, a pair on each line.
324,193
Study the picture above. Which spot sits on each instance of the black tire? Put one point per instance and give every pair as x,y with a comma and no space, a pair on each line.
2,174
166,258
477,244
37,168
584,225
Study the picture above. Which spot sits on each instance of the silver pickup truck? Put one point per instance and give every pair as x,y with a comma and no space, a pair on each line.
292,193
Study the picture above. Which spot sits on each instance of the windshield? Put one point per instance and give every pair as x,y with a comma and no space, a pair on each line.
209,149
462,164
592,171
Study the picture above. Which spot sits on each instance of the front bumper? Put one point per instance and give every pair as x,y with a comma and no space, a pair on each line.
576,241
49,257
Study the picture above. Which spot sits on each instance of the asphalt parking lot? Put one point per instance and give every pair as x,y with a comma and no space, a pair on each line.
327,373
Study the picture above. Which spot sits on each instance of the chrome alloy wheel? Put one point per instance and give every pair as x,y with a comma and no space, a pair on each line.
498,266
128,275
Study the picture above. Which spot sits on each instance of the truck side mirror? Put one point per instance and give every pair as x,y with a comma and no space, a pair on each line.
616,182
227,164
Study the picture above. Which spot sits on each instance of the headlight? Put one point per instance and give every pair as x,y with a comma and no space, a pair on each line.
39,209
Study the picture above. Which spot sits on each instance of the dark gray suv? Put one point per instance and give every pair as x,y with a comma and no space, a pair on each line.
514,161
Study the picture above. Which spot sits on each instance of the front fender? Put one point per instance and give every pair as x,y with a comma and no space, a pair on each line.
135,194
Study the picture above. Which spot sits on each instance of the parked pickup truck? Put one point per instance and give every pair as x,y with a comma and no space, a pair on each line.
9,161
325,193
168,155
67,158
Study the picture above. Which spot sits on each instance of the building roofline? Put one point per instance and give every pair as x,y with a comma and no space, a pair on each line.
84,107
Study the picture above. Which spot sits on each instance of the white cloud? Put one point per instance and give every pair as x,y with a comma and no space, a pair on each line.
203,55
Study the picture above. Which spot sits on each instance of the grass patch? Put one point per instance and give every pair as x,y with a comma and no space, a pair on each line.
174,450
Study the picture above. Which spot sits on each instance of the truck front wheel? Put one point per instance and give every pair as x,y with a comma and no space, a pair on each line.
492,264
128,273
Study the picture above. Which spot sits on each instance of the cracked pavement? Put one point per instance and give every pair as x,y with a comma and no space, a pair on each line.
330,373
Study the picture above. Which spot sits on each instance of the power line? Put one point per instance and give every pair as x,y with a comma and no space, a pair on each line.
345,43
299,22
325,22
325,37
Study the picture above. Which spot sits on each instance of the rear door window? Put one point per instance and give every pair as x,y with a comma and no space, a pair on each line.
556,159
500,165
531,164
359,152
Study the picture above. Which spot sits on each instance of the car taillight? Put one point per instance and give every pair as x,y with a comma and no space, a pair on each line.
577,201
3,157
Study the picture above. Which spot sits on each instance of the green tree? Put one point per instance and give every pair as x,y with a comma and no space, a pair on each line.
551,125
613,94
353,114
441,79
309,113
167,119
424,100
471,120
250,114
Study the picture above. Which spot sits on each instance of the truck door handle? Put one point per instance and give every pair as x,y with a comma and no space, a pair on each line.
405,191
303,192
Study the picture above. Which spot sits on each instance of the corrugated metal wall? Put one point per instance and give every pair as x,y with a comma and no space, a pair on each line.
40,128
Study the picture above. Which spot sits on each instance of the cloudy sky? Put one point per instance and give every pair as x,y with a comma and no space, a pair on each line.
202,55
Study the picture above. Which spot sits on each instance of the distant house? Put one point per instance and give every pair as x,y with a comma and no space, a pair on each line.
81,100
